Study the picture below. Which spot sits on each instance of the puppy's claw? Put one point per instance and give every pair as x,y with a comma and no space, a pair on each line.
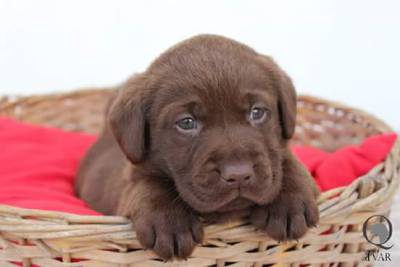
170,235
286,218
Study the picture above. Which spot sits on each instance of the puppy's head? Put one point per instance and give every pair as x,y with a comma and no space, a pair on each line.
214,116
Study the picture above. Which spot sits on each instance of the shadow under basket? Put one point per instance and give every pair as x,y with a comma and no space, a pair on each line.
47,238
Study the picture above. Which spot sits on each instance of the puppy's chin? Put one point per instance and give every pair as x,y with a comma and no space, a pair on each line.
262,194
229,200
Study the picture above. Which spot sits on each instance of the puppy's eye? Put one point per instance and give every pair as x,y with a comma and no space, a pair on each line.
187,124
258,114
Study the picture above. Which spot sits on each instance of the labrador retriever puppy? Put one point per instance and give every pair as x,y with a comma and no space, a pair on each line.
202,133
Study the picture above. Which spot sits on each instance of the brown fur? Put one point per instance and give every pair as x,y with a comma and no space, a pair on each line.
147,168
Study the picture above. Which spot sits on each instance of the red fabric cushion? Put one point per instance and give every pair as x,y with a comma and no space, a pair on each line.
340,168
38,165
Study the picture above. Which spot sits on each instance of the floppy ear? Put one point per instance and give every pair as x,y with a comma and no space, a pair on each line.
127,119
287,105
287,98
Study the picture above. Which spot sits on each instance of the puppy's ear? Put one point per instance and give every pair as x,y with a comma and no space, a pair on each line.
287,104
127,119
287,98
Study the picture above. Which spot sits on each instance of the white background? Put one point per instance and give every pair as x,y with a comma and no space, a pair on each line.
341,50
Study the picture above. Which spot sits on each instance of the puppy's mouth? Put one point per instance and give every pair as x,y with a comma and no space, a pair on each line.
244,199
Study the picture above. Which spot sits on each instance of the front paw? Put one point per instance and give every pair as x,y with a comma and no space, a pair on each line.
170,232
286,218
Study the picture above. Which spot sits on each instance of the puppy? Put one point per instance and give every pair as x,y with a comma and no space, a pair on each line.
202,133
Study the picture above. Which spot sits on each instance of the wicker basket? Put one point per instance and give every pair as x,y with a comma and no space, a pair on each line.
56,239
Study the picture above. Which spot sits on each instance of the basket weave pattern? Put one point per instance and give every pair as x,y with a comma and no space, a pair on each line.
53,239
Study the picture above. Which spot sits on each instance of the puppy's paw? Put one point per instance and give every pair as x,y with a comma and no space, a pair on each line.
286,218
170,232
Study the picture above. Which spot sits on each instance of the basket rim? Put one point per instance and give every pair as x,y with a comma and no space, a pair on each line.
11,100
378,123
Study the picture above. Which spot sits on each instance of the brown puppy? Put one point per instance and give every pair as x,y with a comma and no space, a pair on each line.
202,132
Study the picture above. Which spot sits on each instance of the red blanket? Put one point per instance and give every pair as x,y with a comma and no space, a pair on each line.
38,165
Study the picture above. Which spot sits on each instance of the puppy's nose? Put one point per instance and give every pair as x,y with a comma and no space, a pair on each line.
237,172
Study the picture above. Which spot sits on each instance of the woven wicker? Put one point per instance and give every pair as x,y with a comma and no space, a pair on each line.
47,238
